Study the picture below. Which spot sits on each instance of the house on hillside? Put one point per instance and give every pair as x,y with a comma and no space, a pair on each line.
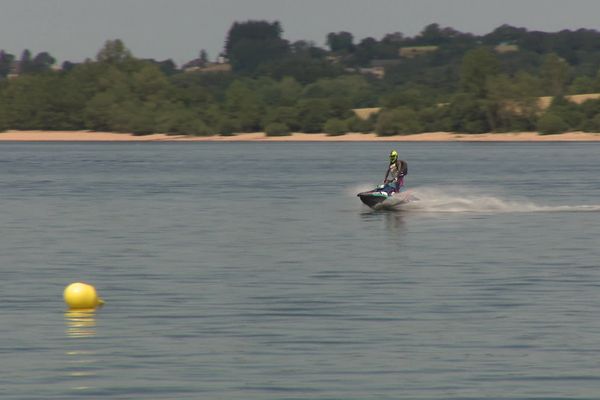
377,68
414,51
210,67
201,65
506,47
377,72
15,70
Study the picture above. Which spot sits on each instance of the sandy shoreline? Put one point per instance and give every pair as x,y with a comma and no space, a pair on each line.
89,136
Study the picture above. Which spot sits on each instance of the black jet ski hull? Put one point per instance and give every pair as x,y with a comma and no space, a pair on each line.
383,196
372,199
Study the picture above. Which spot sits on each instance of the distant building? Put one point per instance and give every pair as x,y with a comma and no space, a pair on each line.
377,68
377,72
506,48
200,65
15,70
210,67
414,51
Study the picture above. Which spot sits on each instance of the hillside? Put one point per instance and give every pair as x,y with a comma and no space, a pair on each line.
498,82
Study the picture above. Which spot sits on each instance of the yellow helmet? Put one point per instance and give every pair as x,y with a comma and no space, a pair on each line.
393,156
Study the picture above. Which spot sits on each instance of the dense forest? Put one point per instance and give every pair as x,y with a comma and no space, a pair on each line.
438,80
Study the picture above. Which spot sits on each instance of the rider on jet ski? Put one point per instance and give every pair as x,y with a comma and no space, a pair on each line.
396,171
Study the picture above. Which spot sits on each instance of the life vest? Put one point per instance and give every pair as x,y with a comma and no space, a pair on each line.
394,171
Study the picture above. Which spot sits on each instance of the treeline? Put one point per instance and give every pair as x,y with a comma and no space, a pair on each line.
439,80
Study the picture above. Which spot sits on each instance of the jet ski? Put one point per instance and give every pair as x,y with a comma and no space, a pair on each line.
385,196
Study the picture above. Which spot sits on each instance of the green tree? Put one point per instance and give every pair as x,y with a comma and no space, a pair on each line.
431,34
572,114
252,43
203,57
550,123
6,63
228,125
313,113
505,34
289,91
582,84
25,63
287,116
436,118
413,96
184,121
302,68
241,100
512,103
277,129
45,102
554,73
398,121
354,89
356,124
365,51
149,84
477,67
251,30
114,52
340,42
42,62
110,90
167,67
137,99
335,127
468,114
591,110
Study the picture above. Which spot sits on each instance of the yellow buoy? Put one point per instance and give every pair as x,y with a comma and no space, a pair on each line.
80,296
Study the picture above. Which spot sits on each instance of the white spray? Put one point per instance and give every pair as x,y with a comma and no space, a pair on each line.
469,200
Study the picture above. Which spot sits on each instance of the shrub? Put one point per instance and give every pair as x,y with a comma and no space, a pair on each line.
356,124
467,114
335,127
435,119
195,127
228,126
277,129
475,126
398,121
313,113
550,123
571,114
183,122
592,125
284,115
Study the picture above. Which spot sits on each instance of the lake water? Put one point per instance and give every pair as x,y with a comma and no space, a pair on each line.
252,271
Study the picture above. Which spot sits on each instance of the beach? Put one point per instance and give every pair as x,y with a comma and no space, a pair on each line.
93,136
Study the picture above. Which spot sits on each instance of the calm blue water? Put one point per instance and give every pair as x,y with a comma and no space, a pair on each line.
252,271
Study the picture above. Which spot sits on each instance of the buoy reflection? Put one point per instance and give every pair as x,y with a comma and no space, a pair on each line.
81,323
81,361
